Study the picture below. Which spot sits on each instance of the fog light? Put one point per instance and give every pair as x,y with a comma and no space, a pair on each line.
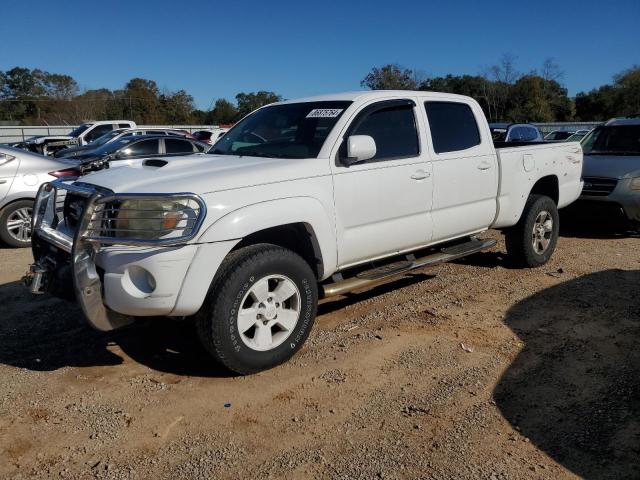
138,282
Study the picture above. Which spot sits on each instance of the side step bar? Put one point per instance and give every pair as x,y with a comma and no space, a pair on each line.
380,274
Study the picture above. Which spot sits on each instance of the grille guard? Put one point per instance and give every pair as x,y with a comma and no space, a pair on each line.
87,284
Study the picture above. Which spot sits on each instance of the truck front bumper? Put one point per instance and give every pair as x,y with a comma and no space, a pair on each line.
114,281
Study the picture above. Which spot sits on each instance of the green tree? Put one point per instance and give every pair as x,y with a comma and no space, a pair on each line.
596,105
476,86
61,87
142,97
23,83
627,85
528,102
177,107
621,98
224,112
390,77
248,102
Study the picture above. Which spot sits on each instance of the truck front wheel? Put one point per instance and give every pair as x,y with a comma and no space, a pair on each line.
531,242
260,309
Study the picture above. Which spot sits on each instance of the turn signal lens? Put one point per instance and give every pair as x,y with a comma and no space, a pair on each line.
635,183
171,220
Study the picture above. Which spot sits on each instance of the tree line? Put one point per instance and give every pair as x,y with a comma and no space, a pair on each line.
37,97
505,94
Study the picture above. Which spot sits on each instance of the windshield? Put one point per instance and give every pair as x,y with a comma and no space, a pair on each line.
105,138
293,130
613,140
576,137
115,145
499,134
76,132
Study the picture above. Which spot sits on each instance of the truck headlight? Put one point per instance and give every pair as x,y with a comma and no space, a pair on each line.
154,219
143,219
635,183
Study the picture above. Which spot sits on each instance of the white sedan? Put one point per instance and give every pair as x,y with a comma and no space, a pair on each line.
21,174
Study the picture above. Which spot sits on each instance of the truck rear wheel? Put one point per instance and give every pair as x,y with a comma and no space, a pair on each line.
531,242
260,309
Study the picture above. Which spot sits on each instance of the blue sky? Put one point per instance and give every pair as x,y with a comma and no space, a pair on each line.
297,48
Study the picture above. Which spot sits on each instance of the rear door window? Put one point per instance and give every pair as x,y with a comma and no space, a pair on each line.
453,126
175,145
143,147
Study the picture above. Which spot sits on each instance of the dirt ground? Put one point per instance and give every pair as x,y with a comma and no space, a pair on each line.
466,370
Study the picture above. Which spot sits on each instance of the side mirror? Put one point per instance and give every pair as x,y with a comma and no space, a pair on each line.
360,148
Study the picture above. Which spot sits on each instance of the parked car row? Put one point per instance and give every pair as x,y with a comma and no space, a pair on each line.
82,135
528,133
114,135
90,135
565,135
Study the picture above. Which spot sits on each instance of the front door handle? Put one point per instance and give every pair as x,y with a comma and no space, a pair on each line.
3,181
484,166
420,175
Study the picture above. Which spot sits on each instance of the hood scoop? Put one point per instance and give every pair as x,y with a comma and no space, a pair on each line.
155,162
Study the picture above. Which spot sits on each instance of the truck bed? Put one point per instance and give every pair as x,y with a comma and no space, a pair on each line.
525,164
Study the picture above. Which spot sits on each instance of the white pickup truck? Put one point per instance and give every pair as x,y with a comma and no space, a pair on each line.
301,199
79,136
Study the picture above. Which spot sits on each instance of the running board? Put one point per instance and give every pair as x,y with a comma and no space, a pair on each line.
385,272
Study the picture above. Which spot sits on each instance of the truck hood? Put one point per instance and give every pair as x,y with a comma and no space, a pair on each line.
201,173
45,138
610,166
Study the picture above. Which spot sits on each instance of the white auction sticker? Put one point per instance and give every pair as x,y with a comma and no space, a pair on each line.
325,113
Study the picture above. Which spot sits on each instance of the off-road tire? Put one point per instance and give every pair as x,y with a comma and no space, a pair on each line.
518,238
216,322
6,212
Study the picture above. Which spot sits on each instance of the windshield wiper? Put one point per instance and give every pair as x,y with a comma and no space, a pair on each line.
255,153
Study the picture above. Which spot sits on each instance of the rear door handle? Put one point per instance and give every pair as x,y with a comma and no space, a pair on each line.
3,181
484,166
420,175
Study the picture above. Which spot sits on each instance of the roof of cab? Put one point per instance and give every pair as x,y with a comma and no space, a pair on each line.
373,94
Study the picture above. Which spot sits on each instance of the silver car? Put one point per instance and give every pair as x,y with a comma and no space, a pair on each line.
21,174
611,170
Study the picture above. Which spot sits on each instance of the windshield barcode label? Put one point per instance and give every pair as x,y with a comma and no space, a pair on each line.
324,113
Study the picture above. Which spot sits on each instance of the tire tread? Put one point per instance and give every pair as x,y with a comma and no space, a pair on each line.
517,238
209,330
